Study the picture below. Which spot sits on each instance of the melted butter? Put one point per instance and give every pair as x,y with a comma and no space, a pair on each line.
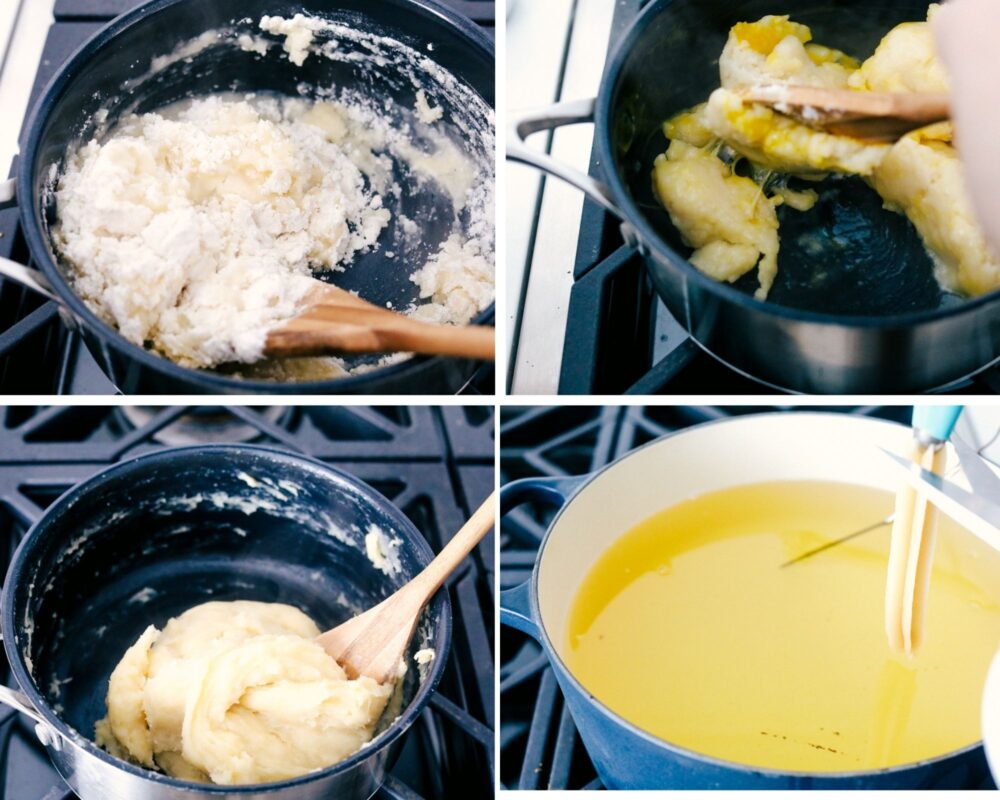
688,627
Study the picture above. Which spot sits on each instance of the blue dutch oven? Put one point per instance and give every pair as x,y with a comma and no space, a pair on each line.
594,510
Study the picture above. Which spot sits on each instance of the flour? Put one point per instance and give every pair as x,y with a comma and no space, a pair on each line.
196,228
425,113
458,281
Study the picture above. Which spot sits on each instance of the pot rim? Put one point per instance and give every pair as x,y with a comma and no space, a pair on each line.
694,755
647,233
69,734
39,247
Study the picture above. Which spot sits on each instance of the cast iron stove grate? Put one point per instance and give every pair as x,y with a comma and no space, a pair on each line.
620,338
539,745
38,354
434,464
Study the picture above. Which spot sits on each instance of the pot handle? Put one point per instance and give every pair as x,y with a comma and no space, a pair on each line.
515,604
30,278
570,112
19,702
515,610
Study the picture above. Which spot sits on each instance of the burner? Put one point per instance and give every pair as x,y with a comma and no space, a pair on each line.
539,745
202,425
435,464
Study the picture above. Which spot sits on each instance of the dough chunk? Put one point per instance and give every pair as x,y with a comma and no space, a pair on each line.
922,178
197,229
236,693
784,145
776,50
904,61
724,216
277,707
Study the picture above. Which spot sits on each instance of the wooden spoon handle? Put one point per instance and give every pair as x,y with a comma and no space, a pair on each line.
326,328
462,543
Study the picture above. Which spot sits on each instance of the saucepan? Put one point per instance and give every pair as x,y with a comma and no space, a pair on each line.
594,510
855,308
145,59
149,538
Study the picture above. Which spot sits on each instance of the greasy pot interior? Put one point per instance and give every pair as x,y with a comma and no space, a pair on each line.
846,256
141,69
149,540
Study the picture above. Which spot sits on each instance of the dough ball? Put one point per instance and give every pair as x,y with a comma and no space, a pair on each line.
276,707
236,692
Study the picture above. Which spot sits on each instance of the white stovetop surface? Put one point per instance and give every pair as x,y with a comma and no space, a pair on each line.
24,25
564,44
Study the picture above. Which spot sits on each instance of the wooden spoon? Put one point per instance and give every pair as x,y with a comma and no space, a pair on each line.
336,321
872,116
373,643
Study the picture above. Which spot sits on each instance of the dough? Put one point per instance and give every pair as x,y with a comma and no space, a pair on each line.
724,216
780,143
920,175
196,229
237,693
922,178
904,61
774,50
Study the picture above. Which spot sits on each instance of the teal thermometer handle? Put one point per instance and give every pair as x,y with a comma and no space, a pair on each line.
935,422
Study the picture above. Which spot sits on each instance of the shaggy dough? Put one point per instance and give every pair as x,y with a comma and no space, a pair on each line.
922,178
197,228
904,61
237,693
724,216
920,175
774,50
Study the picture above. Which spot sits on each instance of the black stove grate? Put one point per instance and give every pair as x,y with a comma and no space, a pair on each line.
621,339
539,745
436,465
38,354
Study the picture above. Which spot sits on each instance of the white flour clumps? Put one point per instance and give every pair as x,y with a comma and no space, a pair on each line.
458,280
195,229
298,33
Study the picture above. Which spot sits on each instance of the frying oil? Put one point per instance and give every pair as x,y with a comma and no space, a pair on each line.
688,627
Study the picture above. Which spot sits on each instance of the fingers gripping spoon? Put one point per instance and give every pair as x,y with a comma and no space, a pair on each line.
914,525
373,643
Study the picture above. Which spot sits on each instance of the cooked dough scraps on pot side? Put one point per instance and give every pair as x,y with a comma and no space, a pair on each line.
196,231
237,693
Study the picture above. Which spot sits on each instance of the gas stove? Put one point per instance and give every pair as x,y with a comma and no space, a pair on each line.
584,317
436,465
38,354
539,744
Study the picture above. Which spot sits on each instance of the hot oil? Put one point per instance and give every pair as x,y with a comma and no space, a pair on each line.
688,627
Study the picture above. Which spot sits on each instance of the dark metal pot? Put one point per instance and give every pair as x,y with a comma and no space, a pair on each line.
111,70
594,510
863,315
149,538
